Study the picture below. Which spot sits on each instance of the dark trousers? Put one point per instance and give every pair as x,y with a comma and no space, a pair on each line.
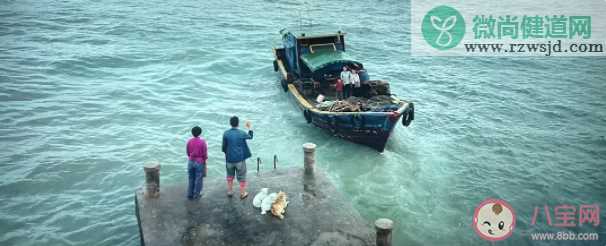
339,95
194,171
357,91
347,90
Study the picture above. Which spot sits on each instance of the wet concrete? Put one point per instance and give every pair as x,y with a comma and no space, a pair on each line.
316,214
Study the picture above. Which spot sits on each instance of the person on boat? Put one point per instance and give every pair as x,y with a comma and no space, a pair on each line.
196,166
236,152
364,86
355,80
346,78
339,89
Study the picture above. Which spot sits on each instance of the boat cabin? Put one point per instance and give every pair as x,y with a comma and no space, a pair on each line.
318,57
317,61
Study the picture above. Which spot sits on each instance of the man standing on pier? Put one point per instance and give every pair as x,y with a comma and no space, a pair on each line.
236,152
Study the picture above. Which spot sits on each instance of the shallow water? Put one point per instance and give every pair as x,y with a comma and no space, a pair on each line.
91,91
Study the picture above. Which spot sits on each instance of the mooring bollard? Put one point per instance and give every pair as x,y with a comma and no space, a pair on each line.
152,180
275,161
309,150
383,227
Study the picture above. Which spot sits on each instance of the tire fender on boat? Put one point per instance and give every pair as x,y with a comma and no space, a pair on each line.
333,124
284,85
275,65
290,78
409,115
307,115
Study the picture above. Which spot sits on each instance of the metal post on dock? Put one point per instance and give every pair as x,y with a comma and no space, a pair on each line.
258,163
152,180
309,150
275,161
383,227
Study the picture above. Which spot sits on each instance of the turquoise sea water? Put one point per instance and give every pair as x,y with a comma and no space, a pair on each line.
91,91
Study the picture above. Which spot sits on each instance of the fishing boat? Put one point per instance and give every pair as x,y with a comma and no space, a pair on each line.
310,65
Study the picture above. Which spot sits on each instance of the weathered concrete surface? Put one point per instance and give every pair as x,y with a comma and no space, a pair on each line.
316,214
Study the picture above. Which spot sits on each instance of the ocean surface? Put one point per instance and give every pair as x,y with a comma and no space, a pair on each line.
90,91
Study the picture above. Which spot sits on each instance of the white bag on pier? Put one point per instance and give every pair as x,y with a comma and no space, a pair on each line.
259,197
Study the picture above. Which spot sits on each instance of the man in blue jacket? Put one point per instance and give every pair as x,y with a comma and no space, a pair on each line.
236,152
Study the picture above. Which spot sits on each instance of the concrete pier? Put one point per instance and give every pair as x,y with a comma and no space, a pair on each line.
317,214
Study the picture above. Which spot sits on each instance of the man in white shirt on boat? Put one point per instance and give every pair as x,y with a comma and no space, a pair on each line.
355,80
346,78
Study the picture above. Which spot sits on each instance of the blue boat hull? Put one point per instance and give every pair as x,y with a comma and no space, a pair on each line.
370,130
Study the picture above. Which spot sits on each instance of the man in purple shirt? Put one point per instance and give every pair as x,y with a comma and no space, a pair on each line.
197,152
